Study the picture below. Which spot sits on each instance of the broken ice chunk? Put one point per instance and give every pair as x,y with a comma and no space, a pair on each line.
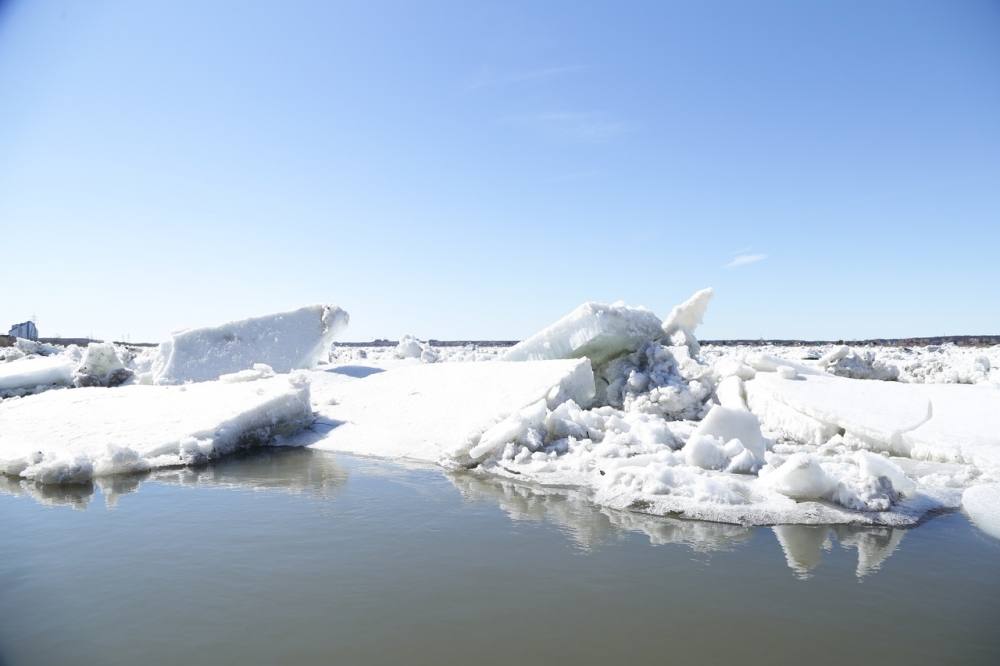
597,331
285,341
101,366
801,478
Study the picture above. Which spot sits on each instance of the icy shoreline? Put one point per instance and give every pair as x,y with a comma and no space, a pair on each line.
630,410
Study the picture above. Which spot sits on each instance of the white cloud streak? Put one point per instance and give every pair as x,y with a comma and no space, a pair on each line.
745,260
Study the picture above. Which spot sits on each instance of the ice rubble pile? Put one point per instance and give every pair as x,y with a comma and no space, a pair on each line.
844,362
751,439
46,367
932,364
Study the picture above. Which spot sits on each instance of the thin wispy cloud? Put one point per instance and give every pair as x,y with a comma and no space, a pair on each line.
745,260
582,126
488,78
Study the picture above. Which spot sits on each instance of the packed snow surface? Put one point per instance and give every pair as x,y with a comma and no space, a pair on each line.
285,341
424,412
595,330
71,436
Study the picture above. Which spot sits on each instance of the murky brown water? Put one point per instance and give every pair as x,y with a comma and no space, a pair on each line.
300,557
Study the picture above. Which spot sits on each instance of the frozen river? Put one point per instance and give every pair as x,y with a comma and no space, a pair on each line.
297,556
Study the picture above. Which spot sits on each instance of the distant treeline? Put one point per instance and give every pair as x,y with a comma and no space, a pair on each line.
960,340
381,342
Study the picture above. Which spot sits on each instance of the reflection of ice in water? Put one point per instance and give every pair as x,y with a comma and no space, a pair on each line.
804,545
288,470
295,470
589,525
73,495
317,473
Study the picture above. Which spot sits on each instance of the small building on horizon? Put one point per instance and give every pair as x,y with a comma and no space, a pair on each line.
26,330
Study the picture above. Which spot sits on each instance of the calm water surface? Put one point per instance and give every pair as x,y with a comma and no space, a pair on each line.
301,557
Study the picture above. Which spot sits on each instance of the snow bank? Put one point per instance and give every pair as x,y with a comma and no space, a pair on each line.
595,330
29,375
424,412
72,436
284,341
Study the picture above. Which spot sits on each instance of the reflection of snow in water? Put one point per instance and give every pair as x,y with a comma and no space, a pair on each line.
804,545
589,526
288,470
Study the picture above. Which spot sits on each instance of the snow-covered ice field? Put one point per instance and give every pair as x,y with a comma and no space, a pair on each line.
626,409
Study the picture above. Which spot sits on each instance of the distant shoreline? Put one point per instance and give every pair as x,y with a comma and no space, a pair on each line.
959,340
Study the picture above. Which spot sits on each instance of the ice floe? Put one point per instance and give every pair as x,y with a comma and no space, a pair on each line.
74,435
426,411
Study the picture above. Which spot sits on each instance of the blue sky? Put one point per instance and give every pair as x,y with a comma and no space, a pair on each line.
477,169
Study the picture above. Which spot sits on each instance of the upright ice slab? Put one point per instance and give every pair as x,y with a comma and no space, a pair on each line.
597,331
284,341
72,436
686,317
424,412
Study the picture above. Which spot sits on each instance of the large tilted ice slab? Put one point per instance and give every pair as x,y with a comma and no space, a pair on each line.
879,412
72,436
285,341
594,330
424,412
28,374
